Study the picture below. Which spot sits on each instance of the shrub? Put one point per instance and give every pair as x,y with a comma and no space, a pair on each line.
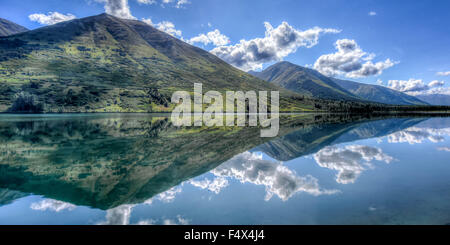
27,103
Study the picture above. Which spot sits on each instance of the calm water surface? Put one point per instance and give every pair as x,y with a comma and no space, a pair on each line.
139,169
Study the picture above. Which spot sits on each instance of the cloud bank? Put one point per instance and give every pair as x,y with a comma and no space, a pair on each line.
350,61
418,87
51,18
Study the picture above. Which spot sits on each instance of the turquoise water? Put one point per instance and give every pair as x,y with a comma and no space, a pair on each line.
140,169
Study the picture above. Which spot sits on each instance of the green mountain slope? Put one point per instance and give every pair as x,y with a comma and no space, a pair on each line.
10,28
103,63
379,94
305,81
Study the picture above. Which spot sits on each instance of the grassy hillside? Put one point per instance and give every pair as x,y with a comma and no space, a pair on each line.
106,64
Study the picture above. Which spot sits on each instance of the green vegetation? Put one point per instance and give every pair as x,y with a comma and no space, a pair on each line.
106,64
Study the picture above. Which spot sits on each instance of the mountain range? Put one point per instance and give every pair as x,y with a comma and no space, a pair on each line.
10,28
106,64
309,81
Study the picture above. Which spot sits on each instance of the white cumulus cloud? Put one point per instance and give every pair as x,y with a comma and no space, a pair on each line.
51,18
181,3
118,8
350,60
415,86
274,46
165,26
214,37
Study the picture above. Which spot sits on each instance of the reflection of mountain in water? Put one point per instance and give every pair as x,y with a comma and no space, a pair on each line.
8,196
107,160
309,140
104,161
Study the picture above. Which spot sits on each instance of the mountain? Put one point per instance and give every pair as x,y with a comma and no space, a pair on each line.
107,64
379,94
10,28
304,81
435,99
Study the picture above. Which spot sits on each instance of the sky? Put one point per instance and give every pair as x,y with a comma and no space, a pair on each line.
400,44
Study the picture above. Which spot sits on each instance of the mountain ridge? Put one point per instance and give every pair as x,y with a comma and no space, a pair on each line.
8,28
304,80
104,63
288,75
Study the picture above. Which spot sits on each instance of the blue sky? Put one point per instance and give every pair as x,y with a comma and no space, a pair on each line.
405,42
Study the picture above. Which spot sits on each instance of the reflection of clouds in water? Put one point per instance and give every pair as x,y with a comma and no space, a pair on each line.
215,185
416,135
167,196
444,149
350,161
179,220
278,179
118,216
52,205
121,215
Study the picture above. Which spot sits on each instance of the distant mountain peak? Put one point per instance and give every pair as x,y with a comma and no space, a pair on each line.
305,81
298,78
8,28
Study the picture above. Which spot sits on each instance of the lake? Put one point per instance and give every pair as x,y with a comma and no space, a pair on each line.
139,169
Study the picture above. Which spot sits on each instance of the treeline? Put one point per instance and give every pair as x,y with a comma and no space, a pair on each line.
365,107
